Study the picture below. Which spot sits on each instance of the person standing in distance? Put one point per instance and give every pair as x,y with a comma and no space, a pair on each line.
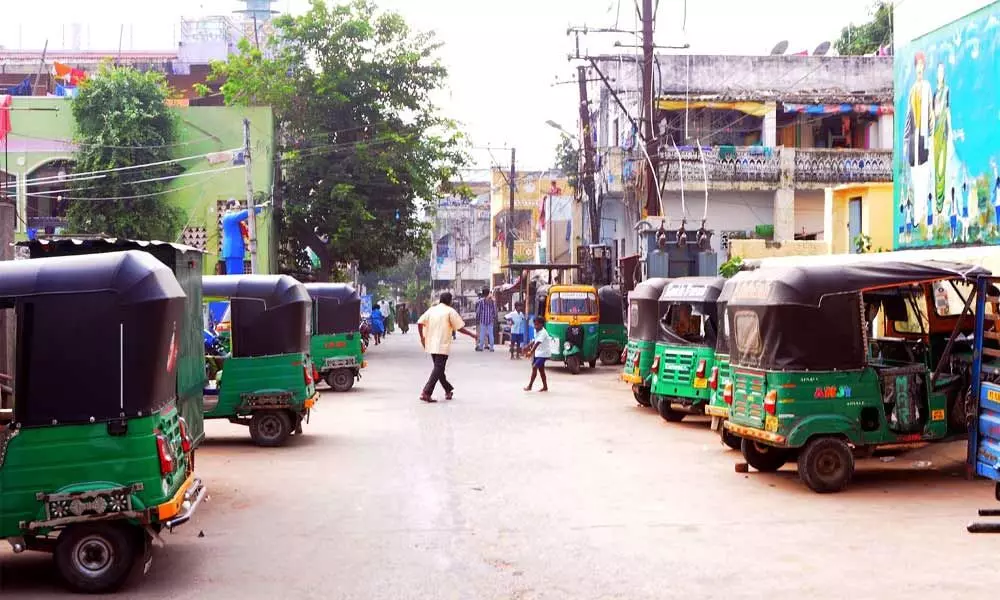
436,327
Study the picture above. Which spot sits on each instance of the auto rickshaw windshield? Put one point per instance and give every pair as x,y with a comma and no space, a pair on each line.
573,303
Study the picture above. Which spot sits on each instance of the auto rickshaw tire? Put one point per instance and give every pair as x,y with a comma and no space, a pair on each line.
95,558
573,364
270,428
732,440
593,363
764,458
668,413
826,465
641,395
340,380
610,356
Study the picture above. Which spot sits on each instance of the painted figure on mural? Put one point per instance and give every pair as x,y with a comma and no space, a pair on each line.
941,124
995,193
909,220
917,140
234,246
953,217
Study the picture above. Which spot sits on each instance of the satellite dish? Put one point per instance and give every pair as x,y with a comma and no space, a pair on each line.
779,48
822,49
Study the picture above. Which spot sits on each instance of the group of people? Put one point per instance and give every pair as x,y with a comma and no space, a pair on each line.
383,324
439,326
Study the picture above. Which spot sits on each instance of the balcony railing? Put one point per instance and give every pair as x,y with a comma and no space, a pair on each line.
842,166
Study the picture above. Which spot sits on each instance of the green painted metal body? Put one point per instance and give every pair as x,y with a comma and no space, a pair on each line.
717,406
845,403
677,377
79,458
612,336
591,338
638,360
242,379
336,351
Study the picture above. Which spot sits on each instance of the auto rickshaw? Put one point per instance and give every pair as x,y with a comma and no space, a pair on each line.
572,316
839,361
685,350
336,337
720,382
611,329
267,381
186,264
95,460
642,326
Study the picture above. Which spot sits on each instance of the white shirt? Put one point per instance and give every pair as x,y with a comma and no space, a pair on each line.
544,340
439,322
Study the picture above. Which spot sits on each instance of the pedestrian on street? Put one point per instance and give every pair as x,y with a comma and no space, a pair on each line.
486,317
378,324
436,328
517,332
541,352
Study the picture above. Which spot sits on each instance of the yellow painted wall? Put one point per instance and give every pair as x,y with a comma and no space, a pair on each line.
531,188
876,216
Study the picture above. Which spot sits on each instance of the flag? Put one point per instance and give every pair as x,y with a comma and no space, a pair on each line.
68,73
5,104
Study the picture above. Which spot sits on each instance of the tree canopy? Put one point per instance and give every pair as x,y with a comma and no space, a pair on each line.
122,120
362,146
870,36
568,160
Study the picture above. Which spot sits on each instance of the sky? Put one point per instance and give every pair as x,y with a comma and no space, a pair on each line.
505,57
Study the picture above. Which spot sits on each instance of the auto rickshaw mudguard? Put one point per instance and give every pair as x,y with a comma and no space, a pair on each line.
572,351
824,425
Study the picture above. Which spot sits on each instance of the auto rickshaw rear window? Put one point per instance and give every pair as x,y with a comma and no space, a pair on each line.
747,327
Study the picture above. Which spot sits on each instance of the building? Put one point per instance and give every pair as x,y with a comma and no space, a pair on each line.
747,144
40,146
460,254
947,163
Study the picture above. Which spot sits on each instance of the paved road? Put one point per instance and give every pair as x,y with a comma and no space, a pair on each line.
574,494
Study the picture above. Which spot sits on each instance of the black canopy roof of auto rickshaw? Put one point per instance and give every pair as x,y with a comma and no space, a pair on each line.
274,290
693,290
649,289
807,286
335,291
123,307
610,298
337,308
270,313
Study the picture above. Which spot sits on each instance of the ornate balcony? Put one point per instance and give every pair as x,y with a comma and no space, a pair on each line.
721,163
842,166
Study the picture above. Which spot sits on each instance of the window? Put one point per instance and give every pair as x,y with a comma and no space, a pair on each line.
684,321
573,303
747,333
916,319
948,302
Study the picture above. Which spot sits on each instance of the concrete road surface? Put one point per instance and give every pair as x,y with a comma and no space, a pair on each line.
574,494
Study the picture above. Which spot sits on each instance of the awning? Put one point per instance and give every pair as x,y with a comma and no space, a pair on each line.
756,109
503,289
836,109
5,104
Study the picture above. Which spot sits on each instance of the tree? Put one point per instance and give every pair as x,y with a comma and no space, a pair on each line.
870,36
568,160
362,146
122,120
410,278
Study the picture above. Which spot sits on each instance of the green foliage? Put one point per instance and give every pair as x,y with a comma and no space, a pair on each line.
122,120
362,146
731,267
868,37
862,243
410,279
568,160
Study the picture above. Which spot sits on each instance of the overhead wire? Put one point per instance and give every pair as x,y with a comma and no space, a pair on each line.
47,194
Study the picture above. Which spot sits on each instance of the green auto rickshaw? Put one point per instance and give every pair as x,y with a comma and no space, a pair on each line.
95,459
720,382
572,317
335,345
841,361
613,336
186,264
267,381
643,319
685,351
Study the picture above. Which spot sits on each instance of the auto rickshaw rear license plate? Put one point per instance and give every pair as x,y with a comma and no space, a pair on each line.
700,384
771,423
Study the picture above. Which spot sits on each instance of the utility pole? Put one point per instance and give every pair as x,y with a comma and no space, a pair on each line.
512,181
587,176
251,209
649,109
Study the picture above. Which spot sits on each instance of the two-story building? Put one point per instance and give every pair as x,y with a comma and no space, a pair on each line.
460,251
748,144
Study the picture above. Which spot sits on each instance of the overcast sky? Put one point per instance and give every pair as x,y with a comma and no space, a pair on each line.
503,55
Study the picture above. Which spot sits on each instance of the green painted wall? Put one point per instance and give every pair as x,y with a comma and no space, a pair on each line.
43,130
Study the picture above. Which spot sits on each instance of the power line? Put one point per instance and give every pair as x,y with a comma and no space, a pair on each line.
48,194
153,194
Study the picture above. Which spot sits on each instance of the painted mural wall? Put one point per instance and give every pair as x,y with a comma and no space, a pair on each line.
947,184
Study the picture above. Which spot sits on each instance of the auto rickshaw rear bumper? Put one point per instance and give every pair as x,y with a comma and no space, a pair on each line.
311,401
717,411
633,379
179,509
752,433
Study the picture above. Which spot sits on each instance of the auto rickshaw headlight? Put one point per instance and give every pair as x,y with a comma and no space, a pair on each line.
567,346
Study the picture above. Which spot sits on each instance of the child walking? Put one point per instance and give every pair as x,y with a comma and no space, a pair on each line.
516,319
540,347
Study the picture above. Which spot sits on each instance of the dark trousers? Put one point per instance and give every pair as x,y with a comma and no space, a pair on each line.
440,360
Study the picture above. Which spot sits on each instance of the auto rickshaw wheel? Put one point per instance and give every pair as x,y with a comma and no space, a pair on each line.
641,395
668,413
730,439
610,356
340,380
96,558
826,465
762,457
573,364
270,428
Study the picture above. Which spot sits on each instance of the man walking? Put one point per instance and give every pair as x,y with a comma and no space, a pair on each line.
436,327
486,316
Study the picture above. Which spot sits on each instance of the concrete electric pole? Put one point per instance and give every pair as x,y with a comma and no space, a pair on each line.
512,181
587,176
251,209
649,109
